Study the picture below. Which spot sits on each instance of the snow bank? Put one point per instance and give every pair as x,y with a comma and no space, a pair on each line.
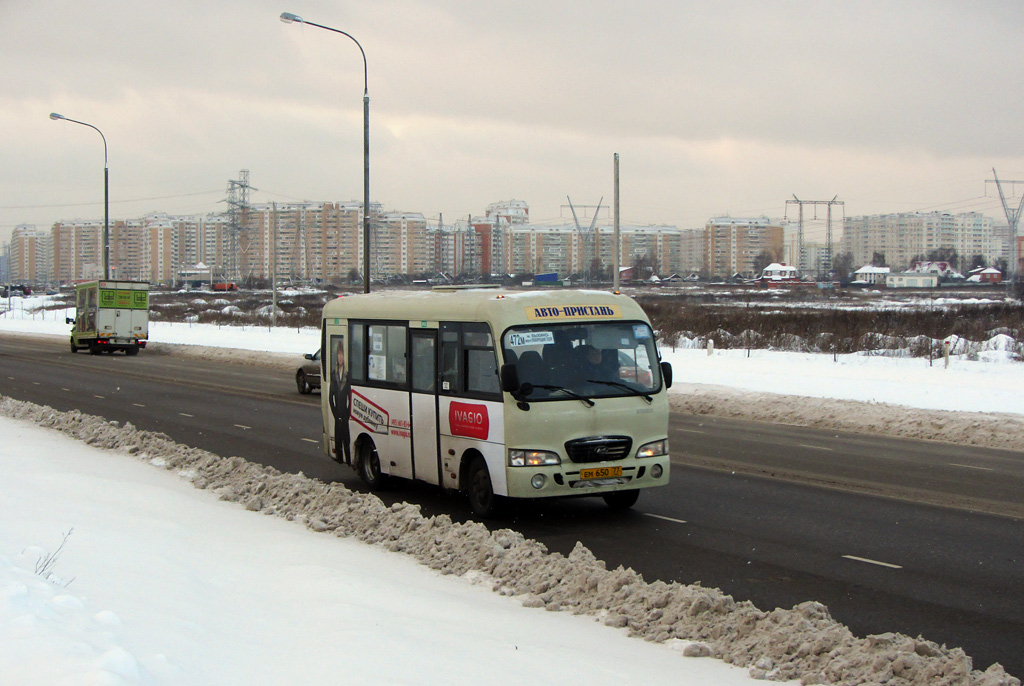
983,429
802,643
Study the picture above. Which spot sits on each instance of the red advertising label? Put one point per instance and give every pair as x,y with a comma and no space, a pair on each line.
468,420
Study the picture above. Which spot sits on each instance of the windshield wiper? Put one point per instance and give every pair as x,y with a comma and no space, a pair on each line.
625,387
527,389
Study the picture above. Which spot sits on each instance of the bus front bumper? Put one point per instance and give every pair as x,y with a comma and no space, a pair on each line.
587,479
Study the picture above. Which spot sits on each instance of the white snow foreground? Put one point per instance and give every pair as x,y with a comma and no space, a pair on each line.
202,596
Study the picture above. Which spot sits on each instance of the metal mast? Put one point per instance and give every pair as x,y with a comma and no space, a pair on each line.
238,215
1012,218
589,236
802,265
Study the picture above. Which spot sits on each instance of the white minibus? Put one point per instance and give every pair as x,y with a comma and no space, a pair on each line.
497,393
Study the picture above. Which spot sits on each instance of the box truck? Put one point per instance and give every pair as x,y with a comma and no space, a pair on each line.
109,316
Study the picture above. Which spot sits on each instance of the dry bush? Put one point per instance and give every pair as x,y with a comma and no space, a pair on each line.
836,326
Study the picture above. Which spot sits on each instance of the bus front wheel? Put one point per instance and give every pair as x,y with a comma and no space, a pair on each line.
480,490
369,466
621,500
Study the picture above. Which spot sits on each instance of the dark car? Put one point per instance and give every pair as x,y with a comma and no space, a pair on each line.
308,375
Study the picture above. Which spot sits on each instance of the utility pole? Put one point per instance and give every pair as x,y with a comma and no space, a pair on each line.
802,264
273,267
1013,219
616,245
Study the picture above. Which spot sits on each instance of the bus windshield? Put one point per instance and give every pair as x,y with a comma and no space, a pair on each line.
599,360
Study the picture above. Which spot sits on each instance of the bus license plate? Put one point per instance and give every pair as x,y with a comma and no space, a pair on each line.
600,472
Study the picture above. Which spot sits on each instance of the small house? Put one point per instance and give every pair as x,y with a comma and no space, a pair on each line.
912,280
870,274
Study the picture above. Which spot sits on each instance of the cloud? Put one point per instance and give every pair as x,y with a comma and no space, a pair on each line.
712,107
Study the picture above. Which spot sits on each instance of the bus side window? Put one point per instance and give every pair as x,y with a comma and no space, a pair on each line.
481,372
481,362
396,366
357,353
424,364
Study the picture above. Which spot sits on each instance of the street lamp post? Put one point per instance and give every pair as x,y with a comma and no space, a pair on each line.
106,193
289,18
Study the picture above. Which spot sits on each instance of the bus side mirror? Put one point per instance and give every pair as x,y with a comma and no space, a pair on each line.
509,377
666,373
69,320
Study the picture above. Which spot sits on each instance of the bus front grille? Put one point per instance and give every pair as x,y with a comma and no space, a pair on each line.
598,448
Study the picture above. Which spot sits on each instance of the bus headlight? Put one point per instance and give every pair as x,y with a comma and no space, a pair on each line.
653,449
532,458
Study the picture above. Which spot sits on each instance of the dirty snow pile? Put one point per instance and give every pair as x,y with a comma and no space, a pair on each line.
802,643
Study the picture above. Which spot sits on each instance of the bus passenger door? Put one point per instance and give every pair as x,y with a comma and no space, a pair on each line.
426,460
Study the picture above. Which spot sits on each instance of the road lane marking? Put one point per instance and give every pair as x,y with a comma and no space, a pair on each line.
243,426
873,562
310,440
100,397
186,414
36,383
691,431
813,447
667,519
138,405
66,389
971,466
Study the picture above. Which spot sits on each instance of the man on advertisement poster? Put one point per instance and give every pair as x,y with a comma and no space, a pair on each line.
340,400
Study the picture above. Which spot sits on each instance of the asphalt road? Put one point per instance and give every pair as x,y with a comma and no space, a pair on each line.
892,535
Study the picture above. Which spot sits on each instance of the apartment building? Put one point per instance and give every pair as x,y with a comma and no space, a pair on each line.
77,249
401,245
902,237
30,256
323,241
733,245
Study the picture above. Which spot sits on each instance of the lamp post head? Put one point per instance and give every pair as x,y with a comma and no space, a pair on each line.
289,18
56,117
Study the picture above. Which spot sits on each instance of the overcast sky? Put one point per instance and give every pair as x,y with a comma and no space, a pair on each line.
714,108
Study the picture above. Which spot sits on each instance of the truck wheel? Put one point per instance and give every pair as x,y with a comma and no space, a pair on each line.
621,500
94,348
74,348
480,489
134,350
302,383
369,466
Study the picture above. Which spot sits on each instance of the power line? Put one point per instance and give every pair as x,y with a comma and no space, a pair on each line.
113,202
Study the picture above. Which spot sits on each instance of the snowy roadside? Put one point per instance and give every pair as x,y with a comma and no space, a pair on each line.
146,580
802,643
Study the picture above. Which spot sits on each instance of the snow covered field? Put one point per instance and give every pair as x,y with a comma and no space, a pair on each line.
160,583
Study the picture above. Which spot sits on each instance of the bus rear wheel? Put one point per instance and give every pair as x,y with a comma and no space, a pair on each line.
621,500
480,490
369,466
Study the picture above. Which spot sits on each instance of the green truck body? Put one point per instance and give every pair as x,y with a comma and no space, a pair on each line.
110,315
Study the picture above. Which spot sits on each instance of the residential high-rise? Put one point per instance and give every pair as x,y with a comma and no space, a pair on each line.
903,237
30,256
734,245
